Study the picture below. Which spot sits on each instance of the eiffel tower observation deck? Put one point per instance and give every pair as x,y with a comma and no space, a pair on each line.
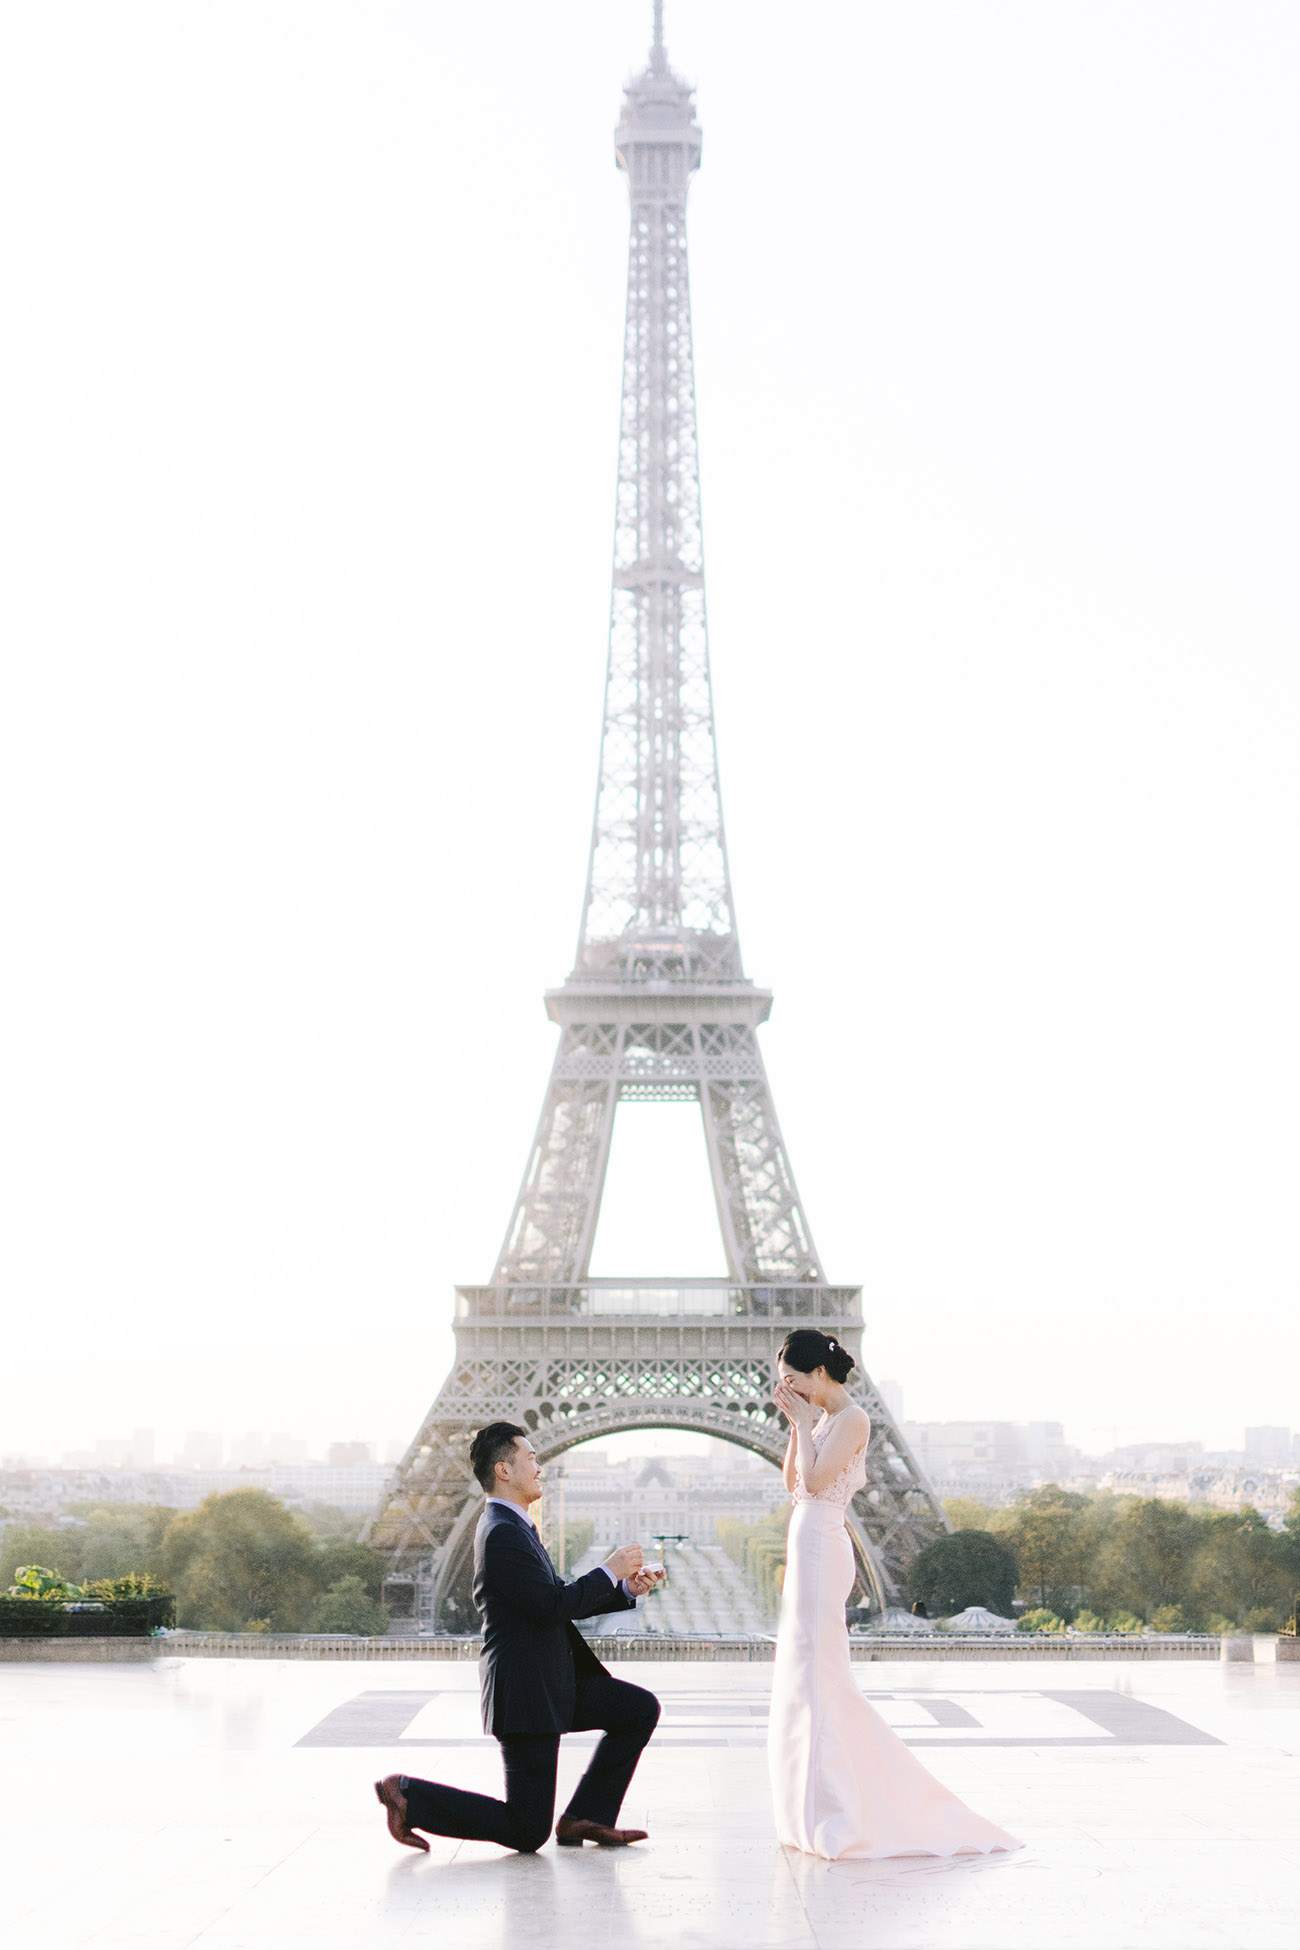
658,1007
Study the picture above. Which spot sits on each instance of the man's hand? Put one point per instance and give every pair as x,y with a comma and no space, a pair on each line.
625,1562
644,1580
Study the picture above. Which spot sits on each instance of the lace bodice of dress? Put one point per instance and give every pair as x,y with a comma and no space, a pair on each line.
846,1485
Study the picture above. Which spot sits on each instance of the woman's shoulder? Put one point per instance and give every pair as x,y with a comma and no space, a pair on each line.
857,1421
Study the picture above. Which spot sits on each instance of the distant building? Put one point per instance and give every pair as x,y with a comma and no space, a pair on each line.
346,1455
39,1495
1158,1458
1269,1445
283,1448
1259,1488
203,1449
991,1461
630,1502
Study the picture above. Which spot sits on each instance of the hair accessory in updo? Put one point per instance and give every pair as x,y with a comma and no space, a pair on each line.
805,1349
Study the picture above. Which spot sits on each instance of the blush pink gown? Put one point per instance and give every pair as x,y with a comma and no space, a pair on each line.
843,1783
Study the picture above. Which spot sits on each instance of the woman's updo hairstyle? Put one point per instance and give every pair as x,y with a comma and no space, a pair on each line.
805,1349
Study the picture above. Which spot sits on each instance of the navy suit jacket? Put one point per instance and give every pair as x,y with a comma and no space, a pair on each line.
532,1654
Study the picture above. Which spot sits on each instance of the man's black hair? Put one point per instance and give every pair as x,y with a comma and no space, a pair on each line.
491,1446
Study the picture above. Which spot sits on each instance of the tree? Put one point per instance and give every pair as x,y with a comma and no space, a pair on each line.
1242,1570
1044,1529
759,1549
578,1535
1144,1563
122,1539
967,1513
240,1559
348,1607
330,1525
334,1561
972,1567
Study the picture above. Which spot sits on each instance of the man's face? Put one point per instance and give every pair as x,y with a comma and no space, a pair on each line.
520,1476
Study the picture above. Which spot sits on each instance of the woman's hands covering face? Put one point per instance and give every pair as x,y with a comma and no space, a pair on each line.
800,1414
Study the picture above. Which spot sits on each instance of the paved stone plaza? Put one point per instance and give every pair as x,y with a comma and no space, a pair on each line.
228,1803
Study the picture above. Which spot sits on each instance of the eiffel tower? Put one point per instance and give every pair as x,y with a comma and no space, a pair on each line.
657,1008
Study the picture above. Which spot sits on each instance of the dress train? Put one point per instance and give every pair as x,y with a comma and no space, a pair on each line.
843,1783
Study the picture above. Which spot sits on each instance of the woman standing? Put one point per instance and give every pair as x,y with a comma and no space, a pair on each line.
843,1783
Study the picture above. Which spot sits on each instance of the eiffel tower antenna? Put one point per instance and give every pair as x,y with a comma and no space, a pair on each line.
657,1007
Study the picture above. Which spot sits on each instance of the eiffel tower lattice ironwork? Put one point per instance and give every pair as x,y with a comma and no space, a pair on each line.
657,1007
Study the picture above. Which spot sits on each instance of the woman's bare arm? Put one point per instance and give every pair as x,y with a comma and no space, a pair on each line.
790,1467
851,1432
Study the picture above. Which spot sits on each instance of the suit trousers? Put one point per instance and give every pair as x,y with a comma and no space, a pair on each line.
626,1715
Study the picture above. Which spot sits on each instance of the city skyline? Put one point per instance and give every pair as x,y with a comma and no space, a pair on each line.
1277,1445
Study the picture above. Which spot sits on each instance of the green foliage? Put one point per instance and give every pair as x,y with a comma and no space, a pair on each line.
759,1548
1042,1619
971,1567
1169,1618
105,1542
966,1513
578,1537
1144,1558
241,1559
33,1543
1088,1621
1242,1567
348,1607
330,1525
1047,1532
335,1561
42,1604
96,1615
142,1584
128,1545
121,1538
34,1581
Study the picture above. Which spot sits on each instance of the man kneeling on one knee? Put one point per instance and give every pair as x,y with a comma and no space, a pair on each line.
539,1678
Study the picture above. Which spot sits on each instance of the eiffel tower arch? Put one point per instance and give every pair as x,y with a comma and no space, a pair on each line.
657,1008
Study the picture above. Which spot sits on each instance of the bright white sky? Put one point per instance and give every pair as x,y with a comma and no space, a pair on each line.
311,330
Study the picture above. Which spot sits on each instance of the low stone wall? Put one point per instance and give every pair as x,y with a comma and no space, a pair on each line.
66,1652
1029,1646
1019,1646
270,1645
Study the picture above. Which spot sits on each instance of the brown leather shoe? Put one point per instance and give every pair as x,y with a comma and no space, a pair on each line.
572,1834
393,1802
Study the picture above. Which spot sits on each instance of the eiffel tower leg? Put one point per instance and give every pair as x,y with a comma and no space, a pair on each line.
758,1202
554,1223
